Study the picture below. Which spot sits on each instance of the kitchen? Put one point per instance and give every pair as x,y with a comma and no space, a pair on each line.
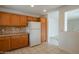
32,29
14,32
39,29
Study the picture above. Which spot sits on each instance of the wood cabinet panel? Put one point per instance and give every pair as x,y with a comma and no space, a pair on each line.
4,43
43,29
30,18
8,19
23,41
14,42
19,41
34,19
22,20
14,20
5,19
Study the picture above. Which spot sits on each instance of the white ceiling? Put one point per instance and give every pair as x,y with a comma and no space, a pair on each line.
36,10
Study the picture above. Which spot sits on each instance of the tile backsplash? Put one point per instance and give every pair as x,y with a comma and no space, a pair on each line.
11,30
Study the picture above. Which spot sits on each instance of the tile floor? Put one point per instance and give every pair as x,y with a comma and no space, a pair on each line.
40,49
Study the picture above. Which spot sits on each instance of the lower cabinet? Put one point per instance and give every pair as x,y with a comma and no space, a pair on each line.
23,41
4,43
13,42
19,41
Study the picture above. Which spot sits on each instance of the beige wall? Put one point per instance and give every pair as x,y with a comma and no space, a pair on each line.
61,20
69,41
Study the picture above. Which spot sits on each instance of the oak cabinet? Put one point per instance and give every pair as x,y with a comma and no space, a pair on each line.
19,41
14,20
8,19
4,43
35,19
13,42
18,20
43,29
5,19
23,20
23,41
30,18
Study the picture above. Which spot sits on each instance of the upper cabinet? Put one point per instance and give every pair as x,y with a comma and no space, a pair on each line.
14,20
30,18
23,20
7,19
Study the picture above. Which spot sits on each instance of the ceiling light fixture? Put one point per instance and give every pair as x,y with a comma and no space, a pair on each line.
32,5
44,10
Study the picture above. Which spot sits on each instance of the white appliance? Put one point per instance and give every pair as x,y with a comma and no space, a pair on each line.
34,33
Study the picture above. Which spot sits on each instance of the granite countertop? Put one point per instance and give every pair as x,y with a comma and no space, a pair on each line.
13,34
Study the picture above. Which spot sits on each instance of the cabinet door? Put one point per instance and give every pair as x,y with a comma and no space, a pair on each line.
19,41
23,40
14,42
14,20
22,20
43,29
30,18
34,19
4,43
5,19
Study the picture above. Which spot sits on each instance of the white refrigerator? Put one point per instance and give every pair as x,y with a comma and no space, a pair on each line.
34,33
